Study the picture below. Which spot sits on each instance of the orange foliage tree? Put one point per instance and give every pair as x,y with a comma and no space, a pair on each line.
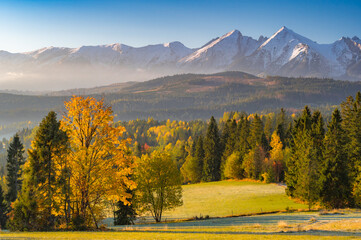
99,159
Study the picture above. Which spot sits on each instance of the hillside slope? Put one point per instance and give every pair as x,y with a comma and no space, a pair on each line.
189,97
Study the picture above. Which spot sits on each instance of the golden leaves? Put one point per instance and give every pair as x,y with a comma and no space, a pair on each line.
99,162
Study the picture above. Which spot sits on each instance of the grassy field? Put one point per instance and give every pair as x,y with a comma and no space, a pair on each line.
227,198
219,199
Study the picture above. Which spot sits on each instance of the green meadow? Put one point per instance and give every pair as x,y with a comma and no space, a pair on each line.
227,198
222,199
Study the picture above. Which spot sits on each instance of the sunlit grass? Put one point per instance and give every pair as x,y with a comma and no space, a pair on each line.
226,198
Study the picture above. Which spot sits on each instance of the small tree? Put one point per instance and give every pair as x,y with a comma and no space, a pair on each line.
159,184
233,167
276,155
125,213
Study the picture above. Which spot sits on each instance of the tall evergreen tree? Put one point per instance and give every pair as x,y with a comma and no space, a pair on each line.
336,189
256,132
242,138
268,126
302,124
46,159
304,165
351,115
226,133
281,124
15,160
212,153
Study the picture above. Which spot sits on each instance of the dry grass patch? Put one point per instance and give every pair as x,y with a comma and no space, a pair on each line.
343,225
282,224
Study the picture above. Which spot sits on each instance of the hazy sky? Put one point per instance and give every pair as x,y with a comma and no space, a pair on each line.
29,25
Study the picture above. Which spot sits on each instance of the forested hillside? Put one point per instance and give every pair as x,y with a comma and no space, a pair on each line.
187,97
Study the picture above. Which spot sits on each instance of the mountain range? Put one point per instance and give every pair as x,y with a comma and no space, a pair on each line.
285,53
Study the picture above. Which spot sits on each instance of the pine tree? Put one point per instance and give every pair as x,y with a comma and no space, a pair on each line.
242,138
46,159
256,132
15,160
3,209
125,213
351,115
302,124
336,189
268,126
226,133
212,153
304,165
281,124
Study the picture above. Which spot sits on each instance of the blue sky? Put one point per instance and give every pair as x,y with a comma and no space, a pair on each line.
28,25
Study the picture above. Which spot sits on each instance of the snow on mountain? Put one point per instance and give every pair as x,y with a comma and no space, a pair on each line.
113,54
221,52
155,55
285,53
290,54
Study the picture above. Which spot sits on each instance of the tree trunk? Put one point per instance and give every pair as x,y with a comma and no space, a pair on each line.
94,219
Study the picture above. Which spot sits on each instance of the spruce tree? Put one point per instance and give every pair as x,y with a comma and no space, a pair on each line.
351,120
302,124
256,132
15,160
125,213
242,138
46,161
336,190
212,153
304,165
281,124
226,133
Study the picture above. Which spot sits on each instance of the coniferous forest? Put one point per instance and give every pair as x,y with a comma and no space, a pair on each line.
82,164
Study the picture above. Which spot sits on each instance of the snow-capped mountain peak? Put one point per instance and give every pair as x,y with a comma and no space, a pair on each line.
285,53
222,51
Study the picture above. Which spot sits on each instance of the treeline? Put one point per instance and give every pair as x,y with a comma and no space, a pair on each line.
316,156
319,163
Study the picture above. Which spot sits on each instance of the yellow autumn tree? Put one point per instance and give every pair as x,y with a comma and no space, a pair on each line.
99,159
276,155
